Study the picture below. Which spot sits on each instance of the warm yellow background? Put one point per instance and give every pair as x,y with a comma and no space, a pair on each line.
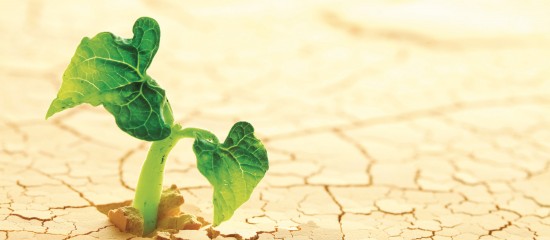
382,119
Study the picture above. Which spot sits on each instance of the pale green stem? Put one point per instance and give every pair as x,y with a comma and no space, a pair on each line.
194,132
149,186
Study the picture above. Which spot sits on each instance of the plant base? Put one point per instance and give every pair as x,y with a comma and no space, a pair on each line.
170,218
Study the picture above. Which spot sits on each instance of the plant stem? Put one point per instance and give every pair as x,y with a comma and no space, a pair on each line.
149,187
194,133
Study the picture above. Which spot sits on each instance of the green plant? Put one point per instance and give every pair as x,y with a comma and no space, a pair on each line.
111,71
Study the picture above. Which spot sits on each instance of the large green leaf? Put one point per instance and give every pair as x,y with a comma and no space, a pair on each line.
234,168
111,71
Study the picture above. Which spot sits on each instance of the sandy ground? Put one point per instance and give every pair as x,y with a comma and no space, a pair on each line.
382,119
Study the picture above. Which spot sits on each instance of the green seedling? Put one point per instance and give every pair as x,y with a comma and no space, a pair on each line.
112,71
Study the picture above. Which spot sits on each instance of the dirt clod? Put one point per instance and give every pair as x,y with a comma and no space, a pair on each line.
170,218
127,219
170,202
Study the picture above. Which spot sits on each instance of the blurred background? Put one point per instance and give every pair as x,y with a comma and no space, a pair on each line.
300,64
352,98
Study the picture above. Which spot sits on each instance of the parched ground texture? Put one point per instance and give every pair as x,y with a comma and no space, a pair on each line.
382,119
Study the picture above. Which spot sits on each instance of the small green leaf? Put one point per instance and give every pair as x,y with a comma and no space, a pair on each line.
234,168
111,71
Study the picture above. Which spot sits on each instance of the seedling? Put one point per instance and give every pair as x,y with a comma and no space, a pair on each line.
112,71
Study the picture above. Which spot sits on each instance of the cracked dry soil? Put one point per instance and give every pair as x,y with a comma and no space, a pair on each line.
382,119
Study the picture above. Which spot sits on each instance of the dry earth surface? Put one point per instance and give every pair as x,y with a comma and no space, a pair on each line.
382,119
